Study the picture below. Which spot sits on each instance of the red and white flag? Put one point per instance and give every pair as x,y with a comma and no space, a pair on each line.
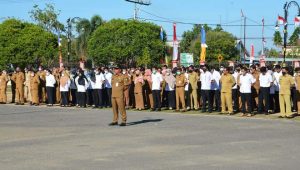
281,20
175,47
297,21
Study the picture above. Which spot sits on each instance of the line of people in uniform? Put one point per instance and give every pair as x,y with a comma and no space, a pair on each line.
261,90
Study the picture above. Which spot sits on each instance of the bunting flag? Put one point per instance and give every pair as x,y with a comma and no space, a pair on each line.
281,20
161,33
59,51
252,54
175,47
297,21
203,45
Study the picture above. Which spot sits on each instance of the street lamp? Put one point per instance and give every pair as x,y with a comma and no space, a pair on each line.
286,7
69,36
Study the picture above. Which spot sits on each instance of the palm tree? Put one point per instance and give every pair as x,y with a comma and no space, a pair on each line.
85,28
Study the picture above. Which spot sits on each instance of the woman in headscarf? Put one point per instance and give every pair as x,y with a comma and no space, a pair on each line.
82,85
65,83
148,89
138,90
170,88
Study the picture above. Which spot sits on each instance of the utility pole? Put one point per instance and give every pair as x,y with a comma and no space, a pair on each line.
138,2
245,39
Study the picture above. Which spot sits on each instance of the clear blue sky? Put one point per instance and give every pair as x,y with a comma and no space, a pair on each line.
194,11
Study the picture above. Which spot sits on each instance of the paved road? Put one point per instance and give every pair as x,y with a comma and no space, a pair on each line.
38,138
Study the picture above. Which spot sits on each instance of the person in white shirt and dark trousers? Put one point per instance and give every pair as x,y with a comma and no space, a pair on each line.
50,87
82,85
265,81
215,89
206,80
157,80
235,91
64,88
245,82
108,88
97,85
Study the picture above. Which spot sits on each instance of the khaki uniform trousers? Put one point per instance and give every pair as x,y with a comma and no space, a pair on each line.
3,96
285,104
126,96
35,96
118,106
298,101
194,99
139,101
226,100
180,98
27,93
20,93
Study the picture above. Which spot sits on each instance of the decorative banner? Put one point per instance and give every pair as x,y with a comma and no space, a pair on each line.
252,54
186,59
175,47
297,21
161,33
203,45
231,63
59,50
262,62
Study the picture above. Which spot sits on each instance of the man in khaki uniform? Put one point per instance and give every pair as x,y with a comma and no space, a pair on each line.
3,86
34,88
297,81
27,94
255,88
286,81
180,83
19,78
42,87
117,83
193,79
227,82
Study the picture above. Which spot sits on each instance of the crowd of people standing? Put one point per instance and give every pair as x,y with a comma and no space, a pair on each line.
227,90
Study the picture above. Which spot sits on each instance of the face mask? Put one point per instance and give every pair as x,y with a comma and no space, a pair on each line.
154,71
32,75
47,74
124,72
105,71
178,72
40,69
62,74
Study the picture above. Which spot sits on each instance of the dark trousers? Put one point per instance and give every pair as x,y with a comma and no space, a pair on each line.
156,99
235,99
276,99
64,98
13,91
164,99
272,102
81,99
264,96
74,96
107,97
97,97
206,97
216,98
171,99
89,97
50,95
187,96
246,98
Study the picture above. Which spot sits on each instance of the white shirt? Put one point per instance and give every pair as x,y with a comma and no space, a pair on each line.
265,80
66,87
235,75
81,88
205,79
276,80
156,81
50,81
216,76
246,82
186,87
99,81
107,77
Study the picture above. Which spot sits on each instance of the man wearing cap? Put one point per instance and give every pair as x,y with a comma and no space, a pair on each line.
117,83
286,81
227,82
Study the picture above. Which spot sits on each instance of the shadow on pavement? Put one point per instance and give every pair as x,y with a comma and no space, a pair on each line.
144,121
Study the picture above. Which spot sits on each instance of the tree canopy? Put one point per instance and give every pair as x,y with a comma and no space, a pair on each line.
125,41
23,43
219,42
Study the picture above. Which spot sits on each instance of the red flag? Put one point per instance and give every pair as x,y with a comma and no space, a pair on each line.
174,32
281,20
297,21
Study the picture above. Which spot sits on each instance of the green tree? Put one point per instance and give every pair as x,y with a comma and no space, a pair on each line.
22,44
145,59
85,28
277,38
123,42
273,53
47,18
219,43
294,37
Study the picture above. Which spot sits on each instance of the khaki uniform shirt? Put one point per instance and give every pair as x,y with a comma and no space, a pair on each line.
227,82
256,84
286,82
193,79
117,83
3,81
20,79
34,82
297,80
180,80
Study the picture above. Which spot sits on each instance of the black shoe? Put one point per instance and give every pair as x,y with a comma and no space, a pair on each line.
21,103
123,124
113,124
17,104
158,110
152,110
281,117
